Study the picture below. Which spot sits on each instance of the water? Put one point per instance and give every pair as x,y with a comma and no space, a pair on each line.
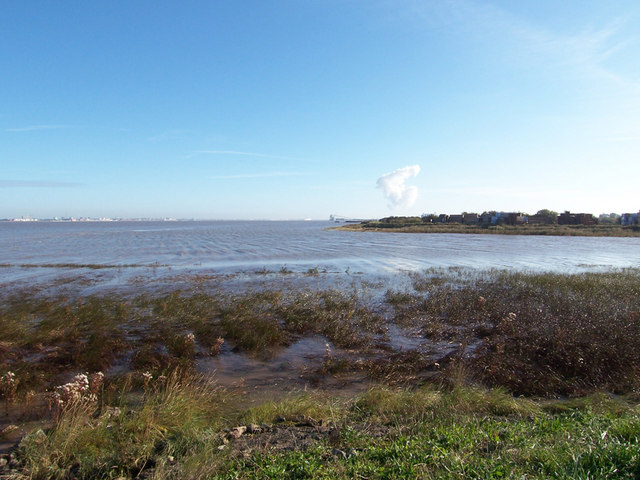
234,247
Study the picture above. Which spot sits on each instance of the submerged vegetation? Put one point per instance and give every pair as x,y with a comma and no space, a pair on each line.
481,374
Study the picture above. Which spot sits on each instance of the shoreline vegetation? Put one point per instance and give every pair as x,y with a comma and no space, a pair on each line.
490,374
409,226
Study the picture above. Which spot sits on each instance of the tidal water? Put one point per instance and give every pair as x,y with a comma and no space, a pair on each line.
135,250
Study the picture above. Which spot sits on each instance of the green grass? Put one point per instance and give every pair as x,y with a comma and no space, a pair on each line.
177,429
449,435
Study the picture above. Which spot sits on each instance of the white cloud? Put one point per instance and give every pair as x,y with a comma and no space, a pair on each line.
394,188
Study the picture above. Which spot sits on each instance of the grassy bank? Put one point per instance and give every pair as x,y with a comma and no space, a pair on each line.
183,427
465,369
555,230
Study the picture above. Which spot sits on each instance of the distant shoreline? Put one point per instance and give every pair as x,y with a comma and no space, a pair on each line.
546,230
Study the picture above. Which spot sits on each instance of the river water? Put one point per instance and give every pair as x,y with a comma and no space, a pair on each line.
147,255
147,249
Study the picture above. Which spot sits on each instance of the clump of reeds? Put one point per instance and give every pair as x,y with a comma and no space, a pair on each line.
127,436
539,334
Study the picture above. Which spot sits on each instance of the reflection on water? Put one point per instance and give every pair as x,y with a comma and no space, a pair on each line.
298,247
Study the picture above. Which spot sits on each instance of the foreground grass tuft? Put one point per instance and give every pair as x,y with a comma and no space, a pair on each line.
175,415
177,428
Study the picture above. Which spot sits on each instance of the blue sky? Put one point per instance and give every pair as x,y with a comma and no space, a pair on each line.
298,109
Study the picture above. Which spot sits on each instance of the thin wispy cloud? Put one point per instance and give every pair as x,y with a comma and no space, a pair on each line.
585,50
258,175
242,154
34,128
38,184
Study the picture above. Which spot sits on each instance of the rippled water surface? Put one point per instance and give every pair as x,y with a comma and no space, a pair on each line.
241,246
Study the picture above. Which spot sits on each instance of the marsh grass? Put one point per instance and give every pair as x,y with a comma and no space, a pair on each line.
343,319
539,334
552,230
43,338
534,334
305,405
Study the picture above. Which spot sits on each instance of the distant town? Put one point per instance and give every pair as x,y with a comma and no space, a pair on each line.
495,218
90,219
542,217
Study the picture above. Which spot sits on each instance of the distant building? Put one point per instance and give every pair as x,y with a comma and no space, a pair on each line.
456,218
568,218
511,218
470,218
629,219
486,218
540,220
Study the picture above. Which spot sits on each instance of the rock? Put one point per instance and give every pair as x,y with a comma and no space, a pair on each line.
481,302
339,453
253,429
222,447
8,429
237,432
171,459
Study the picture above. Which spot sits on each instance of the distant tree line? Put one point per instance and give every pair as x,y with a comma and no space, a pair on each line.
428,218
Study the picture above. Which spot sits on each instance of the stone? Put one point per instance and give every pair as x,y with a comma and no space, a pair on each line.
253,429
237,432
339,453
8,429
